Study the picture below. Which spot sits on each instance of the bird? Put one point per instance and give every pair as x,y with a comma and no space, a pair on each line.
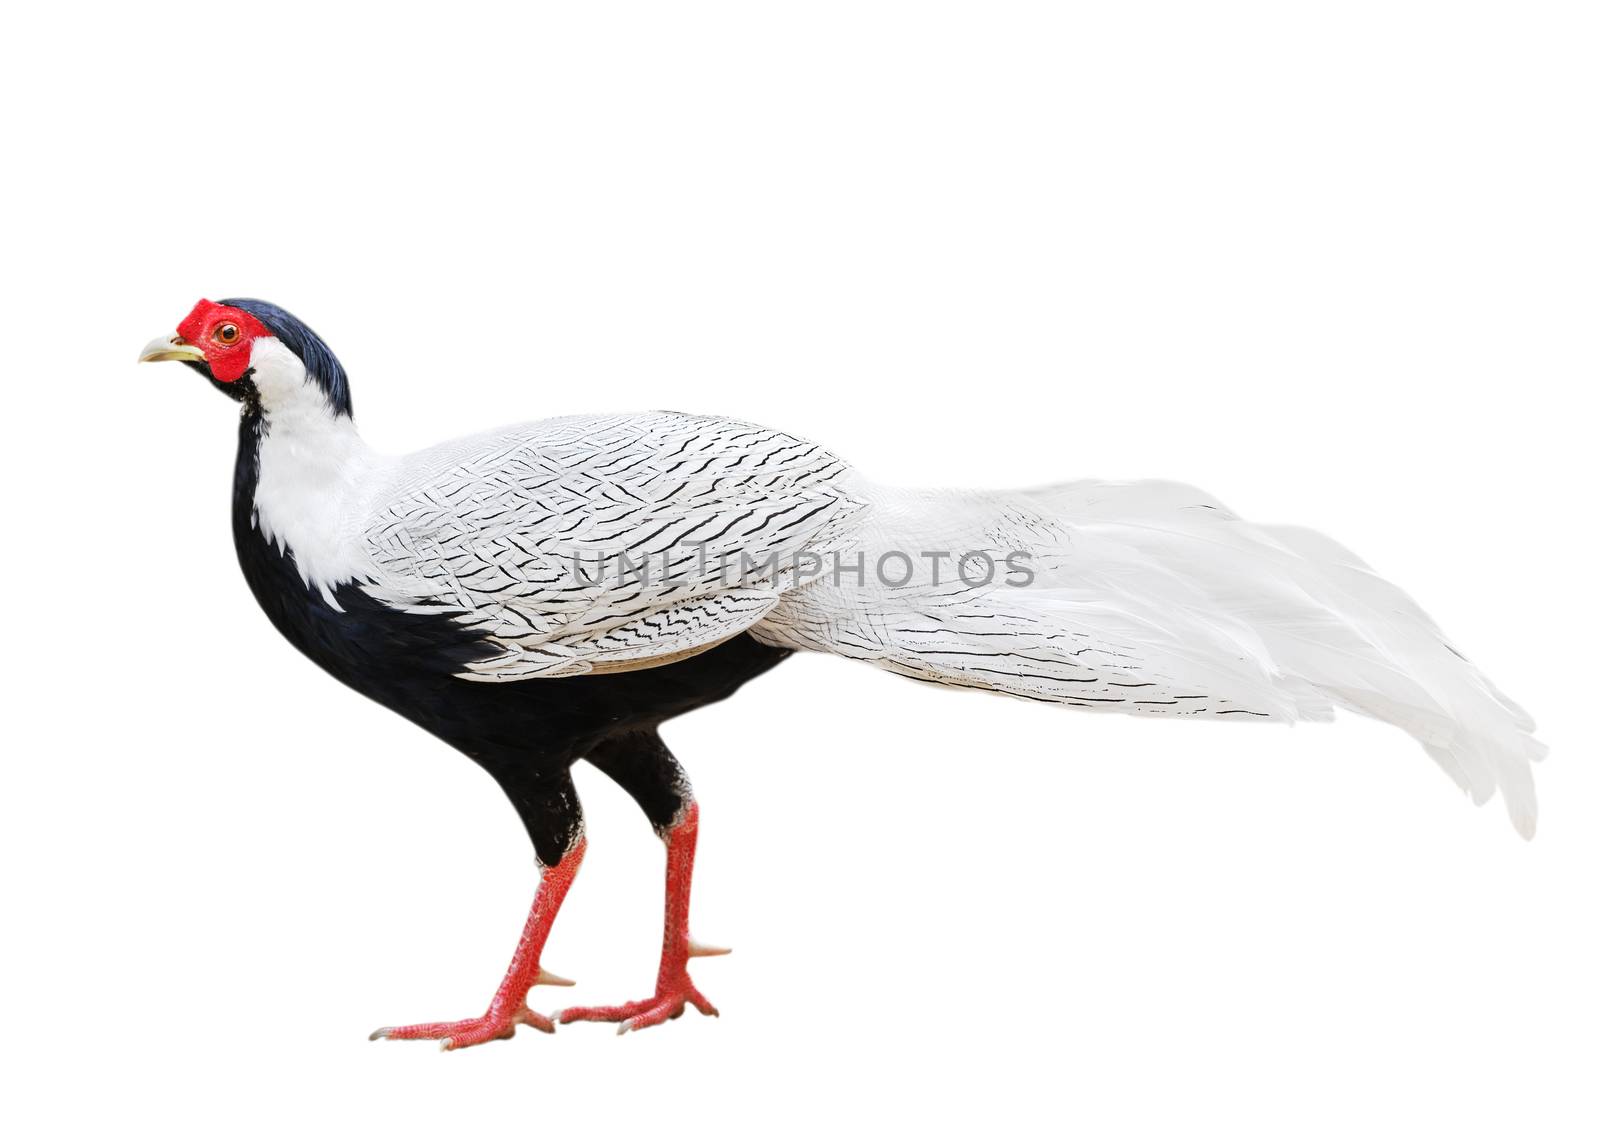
552,592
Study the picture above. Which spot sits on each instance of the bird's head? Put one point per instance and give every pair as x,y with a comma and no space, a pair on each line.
257,353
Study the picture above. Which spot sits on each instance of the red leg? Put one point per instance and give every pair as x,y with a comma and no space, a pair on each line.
509,1006
674,989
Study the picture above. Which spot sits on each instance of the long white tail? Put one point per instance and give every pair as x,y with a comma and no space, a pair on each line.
1152,598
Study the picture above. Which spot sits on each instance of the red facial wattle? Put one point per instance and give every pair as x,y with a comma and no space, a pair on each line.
228,353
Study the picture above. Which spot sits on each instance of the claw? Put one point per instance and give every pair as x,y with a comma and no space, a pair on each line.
529,1018
380,1033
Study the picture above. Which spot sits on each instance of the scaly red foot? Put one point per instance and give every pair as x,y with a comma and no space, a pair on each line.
469,1032
674,992
509,1009
674,989
498,1023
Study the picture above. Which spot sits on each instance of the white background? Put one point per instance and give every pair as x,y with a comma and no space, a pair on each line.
1335,263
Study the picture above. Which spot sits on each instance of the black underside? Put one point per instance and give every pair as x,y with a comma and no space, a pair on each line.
526,734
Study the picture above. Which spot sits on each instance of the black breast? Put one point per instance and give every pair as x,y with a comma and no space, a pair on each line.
408,662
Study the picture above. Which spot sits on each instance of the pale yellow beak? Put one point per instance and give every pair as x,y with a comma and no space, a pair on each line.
171,349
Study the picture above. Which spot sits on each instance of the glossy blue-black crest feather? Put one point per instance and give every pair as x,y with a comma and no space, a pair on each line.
321,365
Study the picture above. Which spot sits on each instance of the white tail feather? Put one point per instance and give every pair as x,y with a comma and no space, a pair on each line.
1151,598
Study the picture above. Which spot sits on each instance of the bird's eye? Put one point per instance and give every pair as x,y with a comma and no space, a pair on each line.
226,333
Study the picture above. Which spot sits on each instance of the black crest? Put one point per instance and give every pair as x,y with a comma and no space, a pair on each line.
321,365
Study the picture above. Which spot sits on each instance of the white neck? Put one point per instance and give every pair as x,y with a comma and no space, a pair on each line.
313,469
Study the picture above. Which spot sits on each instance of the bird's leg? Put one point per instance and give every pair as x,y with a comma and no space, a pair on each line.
509,1007
674,989
648,771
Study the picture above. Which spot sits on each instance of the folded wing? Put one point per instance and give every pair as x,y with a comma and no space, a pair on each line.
605,543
